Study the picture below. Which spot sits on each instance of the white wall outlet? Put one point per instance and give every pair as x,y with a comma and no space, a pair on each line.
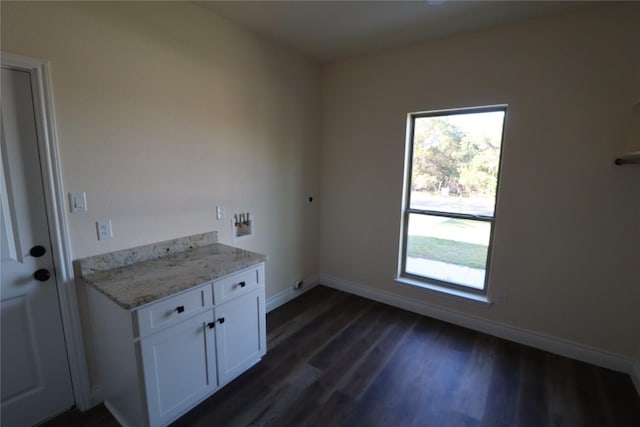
78,201
104,230
219,212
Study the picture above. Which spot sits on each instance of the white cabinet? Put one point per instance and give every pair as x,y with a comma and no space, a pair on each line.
170,311
158,361
240,335
179,366
232,286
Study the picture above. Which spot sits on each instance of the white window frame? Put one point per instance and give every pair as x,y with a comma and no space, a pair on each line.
428,282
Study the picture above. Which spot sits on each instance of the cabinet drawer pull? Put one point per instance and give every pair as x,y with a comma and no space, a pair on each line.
221,320
211,325
180,308
242,284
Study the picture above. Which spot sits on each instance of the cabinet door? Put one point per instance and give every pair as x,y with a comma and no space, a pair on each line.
179,367
240,334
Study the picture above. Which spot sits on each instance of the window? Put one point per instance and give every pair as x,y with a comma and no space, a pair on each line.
452,168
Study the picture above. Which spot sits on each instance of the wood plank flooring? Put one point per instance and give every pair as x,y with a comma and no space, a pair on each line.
335,359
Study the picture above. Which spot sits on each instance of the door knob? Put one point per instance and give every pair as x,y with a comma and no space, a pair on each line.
37,251
42,275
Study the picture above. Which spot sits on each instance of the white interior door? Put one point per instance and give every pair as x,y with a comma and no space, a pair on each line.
35,379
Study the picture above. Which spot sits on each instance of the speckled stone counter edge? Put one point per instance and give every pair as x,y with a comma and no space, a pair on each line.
130,256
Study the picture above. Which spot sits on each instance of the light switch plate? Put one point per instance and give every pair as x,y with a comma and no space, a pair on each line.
78,201
219,212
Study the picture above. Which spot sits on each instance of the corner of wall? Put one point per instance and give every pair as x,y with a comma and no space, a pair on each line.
288,294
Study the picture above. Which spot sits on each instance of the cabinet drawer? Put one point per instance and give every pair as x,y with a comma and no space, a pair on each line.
172,310
238,284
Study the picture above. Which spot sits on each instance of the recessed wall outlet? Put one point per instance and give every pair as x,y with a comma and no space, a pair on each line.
78,201
104,230
242,225
298,285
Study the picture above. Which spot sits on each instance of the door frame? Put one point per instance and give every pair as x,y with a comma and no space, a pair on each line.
48,152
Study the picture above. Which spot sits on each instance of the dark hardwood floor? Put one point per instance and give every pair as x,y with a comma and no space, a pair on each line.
335,359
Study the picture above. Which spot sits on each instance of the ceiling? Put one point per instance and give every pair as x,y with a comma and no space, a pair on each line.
330,30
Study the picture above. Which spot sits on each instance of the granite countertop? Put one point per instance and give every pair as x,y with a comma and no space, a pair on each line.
138,283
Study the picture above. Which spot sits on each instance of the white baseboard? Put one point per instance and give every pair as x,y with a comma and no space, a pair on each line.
288,294
115,414
548,343
96,395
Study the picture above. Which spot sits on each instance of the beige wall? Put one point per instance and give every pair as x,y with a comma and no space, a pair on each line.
164,111
568,222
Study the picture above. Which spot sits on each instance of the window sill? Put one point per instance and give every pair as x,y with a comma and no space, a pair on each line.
444,291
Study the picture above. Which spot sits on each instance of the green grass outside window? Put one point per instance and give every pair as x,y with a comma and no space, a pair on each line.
449,251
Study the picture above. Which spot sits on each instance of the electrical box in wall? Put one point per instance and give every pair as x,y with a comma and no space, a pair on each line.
242,226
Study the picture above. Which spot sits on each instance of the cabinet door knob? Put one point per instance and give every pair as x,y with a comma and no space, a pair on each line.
211,325
221,320
242,284
180,308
